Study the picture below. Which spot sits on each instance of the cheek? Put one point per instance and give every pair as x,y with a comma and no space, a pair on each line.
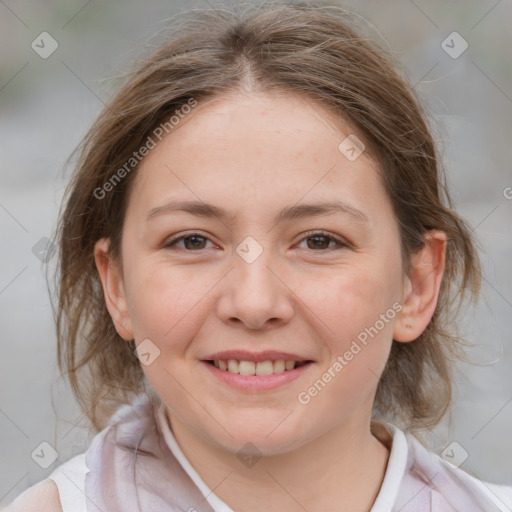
359,305
164,301
355,298
167,307
360,309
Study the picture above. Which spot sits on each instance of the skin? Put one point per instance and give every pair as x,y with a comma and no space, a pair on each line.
252,154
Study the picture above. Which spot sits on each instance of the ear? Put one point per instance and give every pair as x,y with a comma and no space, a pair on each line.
421,290
113,288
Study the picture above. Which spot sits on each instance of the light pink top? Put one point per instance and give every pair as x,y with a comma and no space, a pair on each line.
102,478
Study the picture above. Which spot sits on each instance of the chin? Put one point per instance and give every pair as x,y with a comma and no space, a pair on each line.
264,439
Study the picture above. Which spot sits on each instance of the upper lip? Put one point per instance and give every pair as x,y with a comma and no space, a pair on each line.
244,355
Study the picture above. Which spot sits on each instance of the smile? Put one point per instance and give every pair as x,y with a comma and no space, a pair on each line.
256,368
255,377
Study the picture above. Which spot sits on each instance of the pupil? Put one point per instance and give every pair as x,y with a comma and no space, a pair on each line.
317,238
196,238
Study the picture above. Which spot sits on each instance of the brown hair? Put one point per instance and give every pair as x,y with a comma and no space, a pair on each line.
305,48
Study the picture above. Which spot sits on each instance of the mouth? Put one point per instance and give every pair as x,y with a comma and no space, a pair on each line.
255,372
260,368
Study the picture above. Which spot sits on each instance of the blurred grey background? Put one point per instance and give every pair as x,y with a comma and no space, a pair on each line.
47,104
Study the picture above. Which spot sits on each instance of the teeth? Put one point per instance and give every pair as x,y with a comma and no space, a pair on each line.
246,368
264,368
255,368
279,366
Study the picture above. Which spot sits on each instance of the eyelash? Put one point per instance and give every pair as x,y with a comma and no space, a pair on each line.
171,243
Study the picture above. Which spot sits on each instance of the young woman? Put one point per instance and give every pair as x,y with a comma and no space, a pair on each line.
259,263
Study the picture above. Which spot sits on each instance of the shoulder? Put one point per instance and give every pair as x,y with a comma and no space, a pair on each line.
417,479
454,483
500,494
41,497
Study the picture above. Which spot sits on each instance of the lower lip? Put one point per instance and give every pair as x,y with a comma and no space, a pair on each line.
257,382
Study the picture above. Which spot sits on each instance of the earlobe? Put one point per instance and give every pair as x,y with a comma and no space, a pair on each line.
113,288
421,290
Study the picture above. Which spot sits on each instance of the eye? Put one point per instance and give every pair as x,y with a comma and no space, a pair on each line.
320,240
191,241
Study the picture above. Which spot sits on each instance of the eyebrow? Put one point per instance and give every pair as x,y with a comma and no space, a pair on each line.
288,213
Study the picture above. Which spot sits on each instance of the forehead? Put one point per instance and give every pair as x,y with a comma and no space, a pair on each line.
256,149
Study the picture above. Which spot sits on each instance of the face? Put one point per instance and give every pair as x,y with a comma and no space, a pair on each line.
252,273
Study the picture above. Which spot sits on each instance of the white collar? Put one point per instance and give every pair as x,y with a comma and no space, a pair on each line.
217,504
395,470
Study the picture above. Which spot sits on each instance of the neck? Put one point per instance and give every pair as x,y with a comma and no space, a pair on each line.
341,470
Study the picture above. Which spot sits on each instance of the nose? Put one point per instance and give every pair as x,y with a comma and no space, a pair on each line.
255,295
